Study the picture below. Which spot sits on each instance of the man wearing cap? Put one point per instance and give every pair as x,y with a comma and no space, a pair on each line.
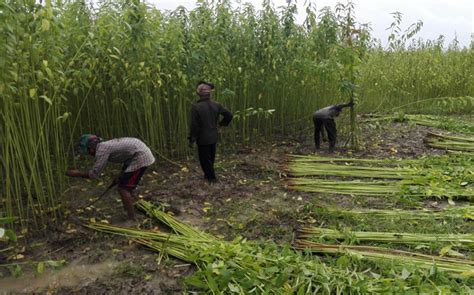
204,127
324,118
131,152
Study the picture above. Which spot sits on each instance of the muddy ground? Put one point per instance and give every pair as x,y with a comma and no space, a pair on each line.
251,199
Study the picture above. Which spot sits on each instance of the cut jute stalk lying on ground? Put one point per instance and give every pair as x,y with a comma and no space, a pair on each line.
241,264
263,268
447,142
464,212
457,267
460,240
447,176
441,122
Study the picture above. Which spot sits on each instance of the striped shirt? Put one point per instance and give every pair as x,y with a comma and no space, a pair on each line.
126,150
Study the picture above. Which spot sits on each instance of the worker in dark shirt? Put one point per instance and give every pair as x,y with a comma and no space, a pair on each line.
204,127
324,118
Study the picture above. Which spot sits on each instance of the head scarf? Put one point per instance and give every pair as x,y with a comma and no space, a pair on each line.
88,140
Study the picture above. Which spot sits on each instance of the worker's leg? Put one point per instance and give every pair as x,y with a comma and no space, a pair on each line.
128,201
212,156
330,125
206,160
318,126
128,182
323,135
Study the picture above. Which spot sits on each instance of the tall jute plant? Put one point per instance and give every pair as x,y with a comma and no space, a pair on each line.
32,111
350,53
125,68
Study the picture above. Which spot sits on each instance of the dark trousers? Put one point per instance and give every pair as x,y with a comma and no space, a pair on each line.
330,126
207,155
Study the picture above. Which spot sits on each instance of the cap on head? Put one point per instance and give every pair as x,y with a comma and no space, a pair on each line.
88,140
205,83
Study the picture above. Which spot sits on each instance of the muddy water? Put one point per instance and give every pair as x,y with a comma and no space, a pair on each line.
74,274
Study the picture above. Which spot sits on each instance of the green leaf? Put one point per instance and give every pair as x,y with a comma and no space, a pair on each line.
10,235
15,270
4,220
469,216
47,99
405,274
195,281
211,283
422,246
40,268
342,261
55,263
445,250
233,288
64,117
301,290
49,72
375,275
45,25
468,274
32,92
272,269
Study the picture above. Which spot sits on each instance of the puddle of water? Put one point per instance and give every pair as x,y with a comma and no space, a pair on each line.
74,274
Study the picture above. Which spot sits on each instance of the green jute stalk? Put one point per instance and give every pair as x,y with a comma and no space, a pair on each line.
461,240
455,143
447,176
466,212
457,267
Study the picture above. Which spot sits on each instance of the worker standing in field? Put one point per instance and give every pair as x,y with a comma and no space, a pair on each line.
324,119
204,127
131,152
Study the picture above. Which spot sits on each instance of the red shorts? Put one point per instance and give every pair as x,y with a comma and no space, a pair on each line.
130,180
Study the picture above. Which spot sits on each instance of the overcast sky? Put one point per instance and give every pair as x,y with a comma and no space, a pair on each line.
440,17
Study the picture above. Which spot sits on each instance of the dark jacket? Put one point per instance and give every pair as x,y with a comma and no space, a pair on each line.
327,113
204,119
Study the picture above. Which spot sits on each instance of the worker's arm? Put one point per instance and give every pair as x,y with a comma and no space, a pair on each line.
227,116
194,126
99,165
101,158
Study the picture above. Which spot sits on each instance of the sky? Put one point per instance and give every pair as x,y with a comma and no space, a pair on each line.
449,18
